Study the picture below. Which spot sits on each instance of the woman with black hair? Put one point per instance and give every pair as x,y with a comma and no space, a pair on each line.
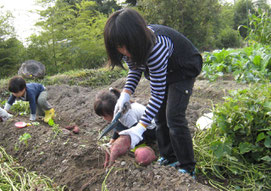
171,63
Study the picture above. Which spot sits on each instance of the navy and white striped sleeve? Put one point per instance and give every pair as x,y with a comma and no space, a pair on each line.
157,65
133,77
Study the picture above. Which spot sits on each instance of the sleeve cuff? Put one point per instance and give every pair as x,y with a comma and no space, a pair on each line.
7,106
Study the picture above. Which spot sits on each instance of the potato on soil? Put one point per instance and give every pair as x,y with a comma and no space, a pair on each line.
144,155
75,129
69,127
119,147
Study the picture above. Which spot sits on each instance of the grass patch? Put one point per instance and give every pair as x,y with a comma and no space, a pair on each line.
86,77
15,177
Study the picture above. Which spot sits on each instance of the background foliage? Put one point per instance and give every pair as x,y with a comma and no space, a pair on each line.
71,35
235,152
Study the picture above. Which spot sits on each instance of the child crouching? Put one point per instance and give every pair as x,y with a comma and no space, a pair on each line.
104,106
34,93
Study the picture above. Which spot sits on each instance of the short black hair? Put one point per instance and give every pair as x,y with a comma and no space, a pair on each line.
126,27
16,84
105,102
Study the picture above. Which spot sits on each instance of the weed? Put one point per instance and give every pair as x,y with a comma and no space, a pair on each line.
20,107
15,177
55,127
237,146
24,138
104,188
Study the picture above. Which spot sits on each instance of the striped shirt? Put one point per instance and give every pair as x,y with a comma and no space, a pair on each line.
157,66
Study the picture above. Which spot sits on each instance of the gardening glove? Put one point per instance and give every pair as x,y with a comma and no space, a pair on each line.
7,106
4,114
124,97
135,134
32,117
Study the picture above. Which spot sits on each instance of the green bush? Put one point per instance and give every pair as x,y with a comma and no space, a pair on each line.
229,38
234,154
244,123
249,64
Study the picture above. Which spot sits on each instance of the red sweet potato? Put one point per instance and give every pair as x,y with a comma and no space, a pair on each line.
76,129
144,155
119,147
69,127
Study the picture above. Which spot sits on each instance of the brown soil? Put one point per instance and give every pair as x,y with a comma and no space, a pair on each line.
76,160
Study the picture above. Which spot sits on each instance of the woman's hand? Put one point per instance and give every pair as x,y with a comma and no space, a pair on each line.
124,97
135,133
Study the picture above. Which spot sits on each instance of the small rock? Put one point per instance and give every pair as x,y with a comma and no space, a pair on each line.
123,163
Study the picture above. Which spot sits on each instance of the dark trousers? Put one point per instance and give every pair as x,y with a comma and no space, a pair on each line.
172,132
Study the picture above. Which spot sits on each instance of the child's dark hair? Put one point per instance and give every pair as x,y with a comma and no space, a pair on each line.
105,102
16,84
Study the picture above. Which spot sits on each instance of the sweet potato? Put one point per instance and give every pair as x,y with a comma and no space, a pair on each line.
69,127
144,155
119,147
76,129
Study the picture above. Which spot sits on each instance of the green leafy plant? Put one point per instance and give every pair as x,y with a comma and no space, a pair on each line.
24,138
250,64
244,122
237,148
55,127
21,107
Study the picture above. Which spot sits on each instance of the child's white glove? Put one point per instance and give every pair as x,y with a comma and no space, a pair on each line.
124,97
135,133
4,114
32,117
7,106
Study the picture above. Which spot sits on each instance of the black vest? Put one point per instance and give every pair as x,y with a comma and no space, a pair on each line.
185,61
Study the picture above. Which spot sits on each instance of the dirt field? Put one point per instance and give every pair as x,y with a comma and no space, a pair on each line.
76,160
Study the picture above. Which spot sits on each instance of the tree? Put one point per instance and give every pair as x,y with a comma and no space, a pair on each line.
242,9
195,19
6,29
107,6
131,2
11,56
103,6
262,4
72,36
11,49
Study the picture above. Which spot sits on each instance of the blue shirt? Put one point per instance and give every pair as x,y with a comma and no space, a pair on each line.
32,93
